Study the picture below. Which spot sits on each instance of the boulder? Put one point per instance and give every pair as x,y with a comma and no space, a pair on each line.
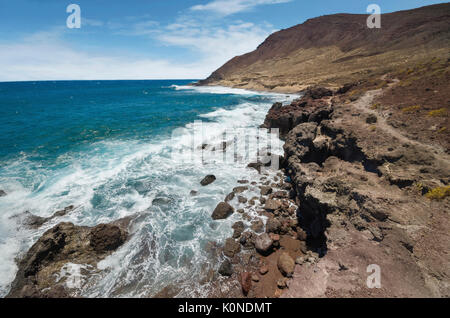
231,248
263,244
273,225
226,269
272,205
265,190
222,211
286,264
238,227
2,193
229,197
257,226
208,180
247,240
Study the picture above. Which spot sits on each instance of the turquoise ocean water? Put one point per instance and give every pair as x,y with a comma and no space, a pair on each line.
107,148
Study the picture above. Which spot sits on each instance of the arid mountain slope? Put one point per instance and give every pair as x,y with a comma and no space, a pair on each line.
335,49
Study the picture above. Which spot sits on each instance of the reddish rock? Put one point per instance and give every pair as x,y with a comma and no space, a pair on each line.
246,282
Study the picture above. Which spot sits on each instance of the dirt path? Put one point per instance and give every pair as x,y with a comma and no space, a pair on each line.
364,104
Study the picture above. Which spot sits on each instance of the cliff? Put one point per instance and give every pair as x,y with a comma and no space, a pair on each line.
335,49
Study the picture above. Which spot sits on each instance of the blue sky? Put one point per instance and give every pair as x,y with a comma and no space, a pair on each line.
149,39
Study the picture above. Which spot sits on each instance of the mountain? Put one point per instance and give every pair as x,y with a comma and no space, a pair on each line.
335,49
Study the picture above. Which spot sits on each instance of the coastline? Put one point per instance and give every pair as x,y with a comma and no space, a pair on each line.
347,201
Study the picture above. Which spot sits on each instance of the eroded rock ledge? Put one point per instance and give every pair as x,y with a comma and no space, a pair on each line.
64,243
359,186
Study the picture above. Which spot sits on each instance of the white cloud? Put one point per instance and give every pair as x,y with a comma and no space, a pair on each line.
228,7
215,44
208,44
43,59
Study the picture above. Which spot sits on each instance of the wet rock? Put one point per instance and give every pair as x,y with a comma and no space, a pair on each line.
231,248
265,190
2,193
255,165
272,205
273,225
239,228
247,240
286,264
257,226
243,181
229,197
208,180
242,199
222,211
241,211
263,244
240,189
64,243
246,282
226,268
193,193
35,222
106,237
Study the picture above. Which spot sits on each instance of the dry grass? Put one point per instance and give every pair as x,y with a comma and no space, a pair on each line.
411,109
438,193
438,112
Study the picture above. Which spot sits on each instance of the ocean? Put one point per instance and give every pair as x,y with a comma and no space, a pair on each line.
115,149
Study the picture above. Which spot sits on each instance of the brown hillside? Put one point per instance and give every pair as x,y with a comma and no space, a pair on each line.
331,50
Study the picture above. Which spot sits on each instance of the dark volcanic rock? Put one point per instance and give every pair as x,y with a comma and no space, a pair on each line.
34,221
226,268
229,197
64,243
222,211
238,228
106,237
318,92
208,180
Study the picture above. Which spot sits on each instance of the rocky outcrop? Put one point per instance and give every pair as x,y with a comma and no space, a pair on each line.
2,193
357,185
64,243
309,108
33,221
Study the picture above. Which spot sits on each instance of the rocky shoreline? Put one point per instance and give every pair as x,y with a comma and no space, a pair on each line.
351,192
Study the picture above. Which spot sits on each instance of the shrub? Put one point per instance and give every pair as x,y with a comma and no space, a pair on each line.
438,193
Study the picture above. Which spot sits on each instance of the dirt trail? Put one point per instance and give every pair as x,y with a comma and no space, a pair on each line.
364,104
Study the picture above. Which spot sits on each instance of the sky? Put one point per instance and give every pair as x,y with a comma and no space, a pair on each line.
149,39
